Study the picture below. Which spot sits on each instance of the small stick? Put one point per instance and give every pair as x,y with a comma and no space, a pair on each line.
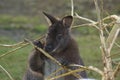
109,34
22,46
83,18
88,68
116,71
72,8
8,74
87,24
45,53
66,74
116,54
86,19
112,36
11,51
11,46
61,68
19,43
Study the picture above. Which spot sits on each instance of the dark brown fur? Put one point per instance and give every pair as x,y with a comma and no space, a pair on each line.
60,45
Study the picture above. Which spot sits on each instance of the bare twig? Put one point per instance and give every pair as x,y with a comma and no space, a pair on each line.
20,44
112,36
45,53
87,24
118,45
11,51
86,19
13,45
116,71
72,8
8,74
48,78
107,61
114,17
66,74
88,68
83,18
98,12
93,23
116,54
109,34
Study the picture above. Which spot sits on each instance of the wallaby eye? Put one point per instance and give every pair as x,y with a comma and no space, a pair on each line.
58,37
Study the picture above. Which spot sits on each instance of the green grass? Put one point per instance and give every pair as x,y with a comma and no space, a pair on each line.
18,19
14,63
89,50
40,28
9,22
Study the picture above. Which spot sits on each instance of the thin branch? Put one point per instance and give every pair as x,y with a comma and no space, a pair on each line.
75,74
19,44
116,54
66,74
104,48
113,17
52,74
87,24
98,12
117,44
93,23
108,25
8,74
11,51
83,18
86,19
116,71
13,45
112,36
45,53
88,68
72,8
109,34
116,60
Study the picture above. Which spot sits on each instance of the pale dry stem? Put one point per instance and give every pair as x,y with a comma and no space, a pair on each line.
8,74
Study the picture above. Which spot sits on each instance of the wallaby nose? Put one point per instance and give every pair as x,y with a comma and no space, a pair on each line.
48,48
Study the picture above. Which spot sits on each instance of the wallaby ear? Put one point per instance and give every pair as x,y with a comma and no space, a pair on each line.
67,21
51,18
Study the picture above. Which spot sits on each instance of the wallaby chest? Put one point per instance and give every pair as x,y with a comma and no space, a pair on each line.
51,67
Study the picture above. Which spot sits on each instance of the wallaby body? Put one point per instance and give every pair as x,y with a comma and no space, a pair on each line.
58,44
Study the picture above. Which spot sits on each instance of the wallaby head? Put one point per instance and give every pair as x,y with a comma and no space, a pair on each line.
58,34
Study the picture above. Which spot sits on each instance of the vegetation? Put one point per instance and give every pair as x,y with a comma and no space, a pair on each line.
9,22
87,38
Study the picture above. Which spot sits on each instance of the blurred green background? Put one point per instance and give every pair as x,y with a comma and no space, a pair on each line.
21,19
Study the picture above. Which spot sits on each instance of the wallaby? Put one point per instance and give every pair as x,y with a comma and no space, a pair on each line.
59,44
